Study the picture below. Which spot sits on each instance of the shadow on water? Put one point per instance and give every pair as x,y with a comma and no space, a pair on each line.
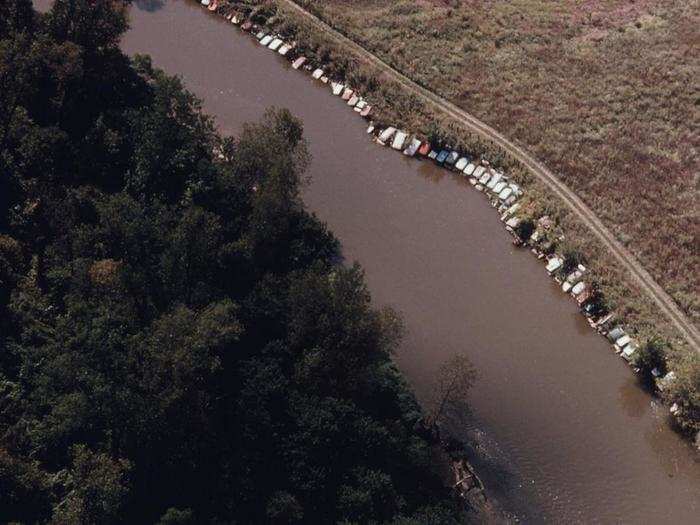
632,398
502,481
150,6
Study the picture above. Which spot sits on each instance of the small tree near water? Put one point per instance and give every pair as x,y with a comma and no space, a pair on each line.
525,229
455,378
649,357
572,258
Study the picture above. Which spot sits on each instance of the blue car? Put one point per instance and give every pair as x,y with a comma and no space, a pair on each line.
442,156
452,158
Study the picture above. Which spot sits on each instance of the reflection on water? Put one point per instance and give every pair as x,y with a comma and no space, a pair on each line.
632,398
582,326
429,172
673,464
149,5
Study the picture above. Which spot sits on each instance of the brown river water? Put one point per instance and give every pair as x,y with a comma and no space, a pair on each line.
561,430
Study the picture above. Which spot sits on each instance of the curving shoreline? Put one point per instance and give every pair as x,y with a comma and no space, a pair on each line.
575,279
603,449
653,289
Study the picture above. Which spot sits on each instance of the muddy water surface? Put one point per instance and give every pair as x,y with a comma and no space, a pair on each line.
563,432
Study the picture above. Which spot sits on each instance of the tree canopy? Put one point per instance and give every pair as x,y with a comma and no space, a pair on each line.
179,344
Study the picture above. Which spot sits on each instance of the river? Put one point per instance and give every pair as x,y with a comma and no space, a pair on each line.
561,429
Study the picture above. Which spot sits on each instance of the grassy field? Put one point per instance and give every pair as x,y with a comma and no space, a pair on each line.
604,92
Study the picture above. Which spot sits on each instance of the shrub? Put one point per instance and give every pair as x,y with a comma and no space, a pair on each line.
572,258
652,355
525,229
685,391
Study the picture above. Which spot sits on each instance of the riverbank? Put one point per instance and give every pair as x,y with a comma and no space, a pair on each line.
436,251
615,126
596,282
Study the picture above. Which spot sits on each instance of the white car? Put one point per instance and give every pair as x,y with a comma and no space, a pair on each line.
495,179
497,188
554,264
505,193
385,135
461,164
399,140
578,289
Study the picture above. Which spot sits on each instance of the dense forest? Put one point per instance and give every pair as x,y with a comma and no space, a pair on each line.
180,343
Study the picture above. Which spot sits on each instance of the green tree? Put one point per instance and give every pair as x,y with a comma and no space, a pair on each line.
92,24
284,508
525,229
96,485
651,356
179,341
684,390
371,496
175,516
26,495
16,16
572,258
454,380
